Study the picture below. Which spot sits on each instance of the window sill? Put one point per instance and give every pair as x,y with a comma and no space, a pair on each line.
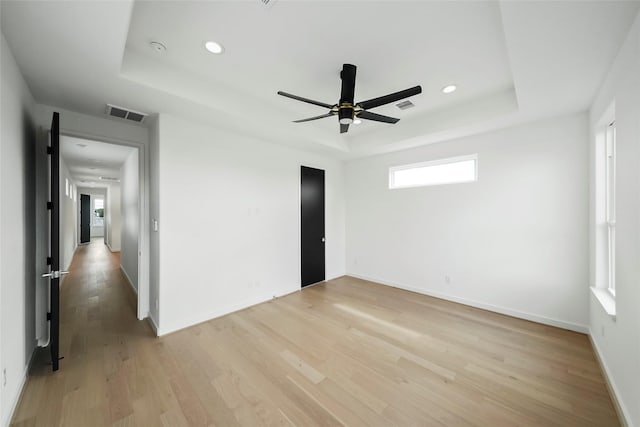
607,301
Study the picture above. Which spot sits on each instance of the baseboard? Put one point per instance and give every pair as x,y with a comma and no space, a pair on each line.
623,414
496,309
219,312
135,291
110,248
153,324
18,396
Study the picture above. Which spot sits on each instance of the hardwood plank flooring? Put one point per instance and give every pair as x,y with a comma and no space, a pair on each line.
348,352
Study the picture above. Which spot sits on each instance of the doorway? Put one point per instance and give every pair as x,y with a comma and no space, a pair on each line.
312,225
85,218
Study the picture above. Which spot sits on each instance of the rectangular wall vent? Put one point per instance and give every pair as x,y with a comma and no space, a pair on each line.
405,105
125,113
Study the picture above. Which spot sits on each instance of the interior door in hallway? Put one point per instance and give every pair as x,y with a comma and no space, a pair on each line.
312,225
54,274
85,218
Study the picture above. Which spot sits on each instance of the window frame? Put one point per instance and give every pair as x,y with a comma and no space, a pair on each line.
610,204
429,163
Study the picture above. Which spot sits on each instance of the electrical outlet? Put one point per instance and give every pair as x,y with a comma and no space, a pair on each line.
447,280
4,377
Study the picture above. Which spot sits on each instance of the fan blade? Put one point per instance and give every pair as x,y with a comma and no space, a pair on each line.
348,76
308,101
344,128
367,115
315,118
387,99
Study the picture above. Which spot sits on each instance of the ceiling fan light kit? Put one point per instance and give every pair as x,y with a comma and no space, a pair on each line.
349,112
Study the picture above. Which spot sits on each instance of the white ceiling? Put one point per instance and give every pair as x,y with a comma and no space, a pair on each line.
88,160
512,61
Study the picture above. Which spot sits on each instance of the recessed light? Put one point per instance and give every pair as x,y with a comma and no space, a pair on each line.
158,47
449,88
213,47
357,121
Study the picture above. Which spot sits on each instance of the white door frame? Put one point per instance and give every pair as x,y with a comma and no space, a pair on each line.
143,214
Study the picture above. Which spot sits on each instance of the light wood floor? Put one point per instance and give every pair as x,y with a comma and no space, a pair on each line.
346,352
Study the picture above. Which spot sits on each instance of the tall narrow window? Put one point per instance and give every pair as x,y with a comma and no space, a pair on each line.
610,202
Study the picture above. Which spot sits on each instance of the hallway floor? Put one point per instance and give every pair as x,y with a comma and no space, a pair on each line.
99,333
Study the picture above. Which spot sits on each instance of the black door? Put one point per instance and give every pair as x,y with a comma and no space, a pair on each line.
312,224
85,218
54,249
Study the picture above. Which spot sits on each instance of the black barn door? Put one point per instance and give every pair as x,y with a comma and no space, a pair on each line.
54,241
312,225
85,218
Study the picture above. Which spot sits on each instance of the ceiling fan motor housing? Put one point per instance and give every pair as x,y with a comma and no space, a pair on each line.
345,114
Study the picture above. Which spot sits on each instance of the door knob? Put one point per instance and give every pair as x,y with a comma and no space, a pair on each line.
55,274
323,240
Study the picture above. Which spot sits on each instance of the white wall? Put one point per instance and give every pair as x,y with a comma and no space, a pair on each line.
68,218
229,221
130,208
618,340
113,217
515,241
17,231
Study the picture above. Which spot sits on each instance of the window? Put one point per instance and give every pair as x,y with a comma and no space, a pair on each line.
98,212
610,204
437,172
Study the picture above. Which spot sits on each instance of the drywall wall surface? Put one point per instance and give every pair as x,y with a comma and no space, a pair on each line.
515,241
18,279
617,339
113,217
130,210
229,221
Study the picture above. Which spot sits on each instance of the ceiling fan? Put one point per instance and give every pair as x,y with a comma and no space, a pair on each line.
346,109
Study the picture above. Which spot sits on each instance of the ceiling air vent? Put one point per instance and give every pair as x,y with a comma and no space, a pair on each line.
405,105
125,113
267,2
108,178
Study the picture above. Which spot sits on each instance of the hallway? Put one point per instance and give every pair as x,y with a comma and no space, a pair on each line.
99,334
